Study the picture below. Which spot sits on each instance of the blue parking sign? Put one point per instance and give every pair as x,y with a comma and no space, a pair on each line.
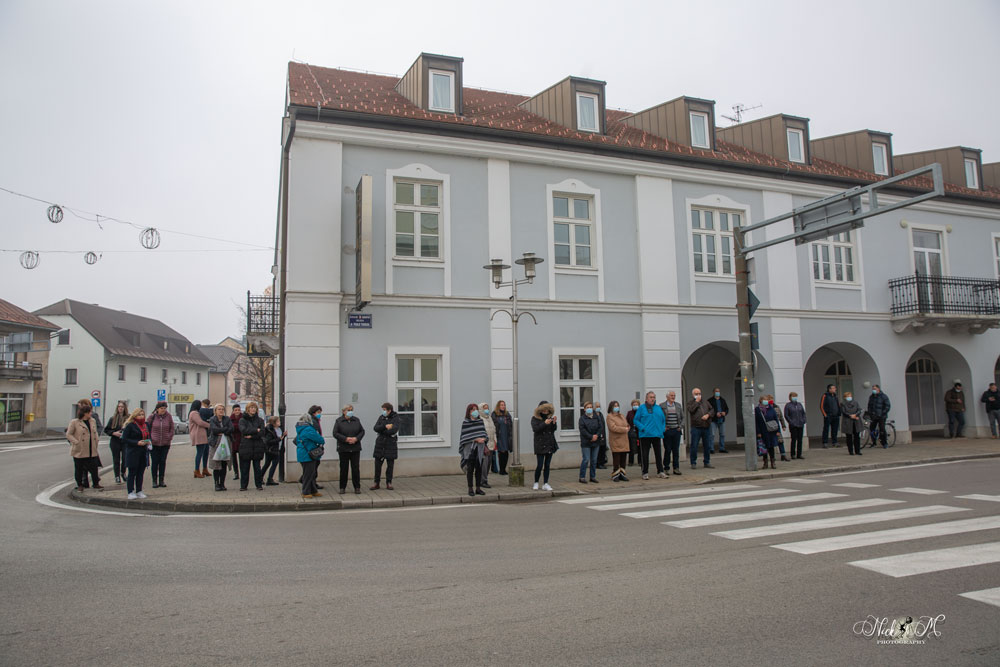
161,394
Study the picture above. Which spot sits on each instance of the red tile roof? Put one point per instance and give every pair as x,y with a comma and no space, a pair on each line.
361,92
11,314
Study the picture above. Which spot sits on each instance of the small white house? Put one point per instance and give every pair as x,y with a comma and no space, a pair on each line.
114,355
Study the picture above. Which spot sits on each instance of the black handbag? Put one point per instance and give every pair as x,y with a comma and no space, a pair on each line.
316,453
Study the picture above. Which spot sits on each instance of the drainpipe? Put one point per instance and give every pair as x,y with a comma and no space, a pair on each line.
283,282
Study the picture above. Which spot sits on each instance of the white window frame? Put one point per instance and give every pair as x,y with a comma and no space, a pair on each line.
797,135
973,172
121,372
714,201
443,439
76,378
718,235
597,353
832,245
597,112
996,254
576,188
574,222
883,150
417,209
418,172
431,73
703,118
940,229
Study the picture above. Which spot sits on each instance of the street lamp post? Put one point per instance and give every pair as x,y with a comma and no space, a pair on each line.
496,268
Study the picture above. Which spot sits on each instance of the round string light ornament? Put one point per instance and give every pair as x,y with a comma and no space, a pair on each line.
29,259
90,258
55,213
150,238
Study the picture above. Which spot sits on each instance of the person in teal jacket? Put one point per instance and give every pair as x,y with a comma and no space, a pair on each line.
307,438
651,424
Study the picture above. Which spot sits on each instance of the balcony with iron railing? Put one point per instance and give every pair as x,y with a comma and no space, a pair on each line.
961,304
263,323
20,370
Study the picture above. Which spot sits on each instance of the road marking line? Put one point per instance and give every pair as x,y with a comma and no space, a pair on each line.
922,492
923,562
892,535
800,480
836,522
18,448
654,494
691,499
856,485
989,596
45,498
782,513
980,496
732,506
917,465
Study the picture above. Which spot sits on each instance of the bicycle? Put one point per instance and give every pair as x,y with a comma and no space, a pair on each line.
870,435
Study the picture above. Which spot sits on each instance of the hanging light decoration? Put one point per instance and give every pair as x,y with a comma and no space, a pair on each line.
150,238
29,259
91,258
55,213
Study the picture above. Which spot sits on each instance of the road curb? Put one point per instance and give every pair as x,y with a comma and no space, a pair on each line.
845,468
172,507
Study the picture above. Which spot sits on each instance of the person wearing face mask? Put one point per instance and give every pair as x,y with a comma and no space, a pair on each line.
505,435
991,401
489,453
386,447
471,445
348,432
795,415
135,437
781,423
633,434
766,420
307,439
878,412
650,423
543,426
700,411
618,429
602,438
718,422
954,405
673,413
590,428
850,423
251,428
829,407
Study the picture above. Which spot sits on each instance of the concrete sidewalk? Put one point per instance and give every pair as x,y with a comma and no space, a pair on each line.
184,493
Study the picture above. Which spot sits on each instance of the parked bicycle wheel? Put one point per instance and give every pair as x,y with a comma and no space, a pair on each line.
890,434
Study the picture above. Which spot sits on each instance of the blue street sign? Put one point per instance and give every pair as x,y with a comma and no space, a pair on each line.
96,402
161,394
359,321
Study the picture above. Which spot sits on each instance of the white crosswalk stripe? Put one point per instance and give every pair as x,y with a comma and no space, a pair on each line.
989,596
921,492
837,521
656,494
980,496
922,562
856,485
802,480
891,535
690,499
760,502
782,513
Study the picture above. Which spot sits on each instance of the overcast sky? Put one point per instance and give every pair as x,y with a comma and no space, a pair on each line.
167,114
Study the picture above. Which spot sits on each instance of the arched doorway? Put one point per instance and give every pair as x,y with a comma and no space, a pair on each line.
930,372
847,366
717,365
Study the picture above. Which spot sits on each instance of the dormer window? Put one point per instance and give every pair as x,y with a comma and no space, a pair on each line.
880,159
699,130
442,91
586,113
796,146
971,173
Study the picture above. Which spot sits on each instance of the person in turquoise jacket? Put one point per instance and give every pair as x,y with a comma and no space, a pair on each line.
307,438
651,424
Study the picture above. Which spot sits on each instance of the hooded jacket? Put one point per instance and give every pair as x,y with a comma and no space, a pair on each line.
307,438
545,434
650,421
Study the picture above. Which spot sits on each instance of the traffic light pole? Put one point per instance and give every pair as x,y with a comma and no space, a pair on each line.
746,351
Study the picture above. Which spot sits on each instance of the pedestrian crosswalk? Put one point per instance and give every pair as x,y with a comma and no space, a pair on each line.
755,511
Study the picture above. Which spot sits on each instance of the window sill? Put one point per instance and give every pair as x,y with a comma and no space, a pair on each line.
422,443
582,270
714,278
836,285
436,262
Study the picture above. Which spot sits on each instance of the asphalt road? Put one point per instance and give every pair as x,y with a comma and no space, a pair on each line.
548,583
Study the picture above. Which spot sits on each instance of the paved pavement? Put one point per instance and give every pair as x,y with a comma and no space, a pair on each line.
184,493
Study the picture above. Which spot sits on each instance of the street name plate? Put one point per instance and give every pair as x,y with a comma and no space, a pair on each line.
359,321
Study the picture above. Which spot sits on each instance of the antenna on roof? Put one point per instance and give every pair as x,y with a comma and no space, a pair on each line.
738,110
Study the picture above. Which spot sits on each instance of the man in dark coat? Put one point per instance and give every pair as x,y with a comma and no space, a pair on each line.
878,411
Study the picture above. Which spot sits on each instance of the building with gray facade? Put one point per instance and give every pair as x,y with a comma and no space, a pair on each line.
633,215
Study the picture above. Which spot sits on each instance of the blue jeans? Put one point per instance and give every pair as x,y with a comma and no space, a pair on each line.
544,461
200,457
700,433
715,427
589,459
830,425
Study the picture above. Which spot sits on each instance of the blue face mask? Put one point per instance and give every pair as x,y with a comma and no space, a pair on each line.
717,394
474,414
598,408
486,411
795,399
589,411
385,413
849,399
617,409
319,415
350,413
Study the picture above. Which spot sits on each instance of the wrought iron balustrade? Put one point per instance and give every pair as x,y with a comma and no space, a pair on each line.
922,294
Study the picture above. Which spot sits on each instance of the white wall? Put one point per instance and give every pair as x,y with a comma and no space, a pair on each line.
83,353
